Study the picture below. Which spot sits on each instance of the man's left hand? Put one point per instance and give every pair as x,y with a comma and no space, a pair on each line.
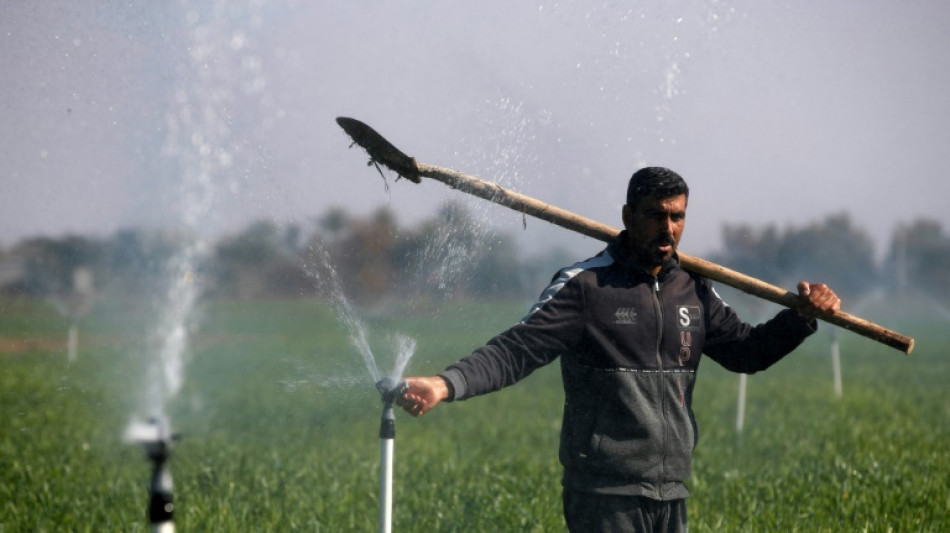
817,299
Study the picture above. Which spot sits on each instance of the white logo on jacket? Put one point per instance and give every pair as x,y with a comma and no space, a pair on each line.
689,316
625,315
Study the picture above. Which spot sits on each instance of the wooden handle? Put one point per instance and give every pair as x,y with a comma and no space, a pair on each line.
381,151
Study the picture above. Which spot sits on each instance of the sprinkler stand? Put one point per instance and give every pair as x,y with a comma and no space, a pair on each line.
157,439
390,389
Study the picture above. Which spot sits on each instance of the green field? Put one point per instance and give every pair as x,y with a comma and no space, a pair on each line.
279,422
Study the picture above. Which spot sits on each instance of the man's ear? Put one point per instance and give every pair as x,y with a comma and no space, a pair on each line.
626,215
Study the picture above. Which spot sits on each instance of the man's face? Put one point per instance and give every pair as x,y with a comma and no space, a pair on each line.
654,227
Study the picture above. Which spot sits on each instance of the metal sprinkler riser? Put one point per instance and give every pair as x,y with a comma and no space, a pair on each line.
390,389
158,449
161,507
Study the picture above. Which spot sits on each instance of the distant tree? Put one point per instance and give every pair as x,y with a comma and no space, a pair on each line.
258,244
52,262
445,248
832,251
753,251
333,222
919,257
454,254
364,255
497,271
293,239
259,261
133,260
450,254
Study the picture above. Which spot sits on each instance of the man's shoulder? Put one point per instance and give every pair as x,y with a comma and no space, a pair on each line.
694,277
600,261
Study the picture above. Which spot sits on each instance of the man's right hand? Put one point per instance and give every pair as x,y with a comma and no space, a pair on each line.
424,393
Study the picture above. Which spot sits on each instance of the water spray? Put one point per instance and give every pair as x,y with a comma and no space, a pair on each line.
156,437
390,389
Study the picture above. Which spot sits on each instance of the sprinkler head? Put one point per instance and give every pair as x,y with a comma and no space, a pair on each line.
391,388
155,436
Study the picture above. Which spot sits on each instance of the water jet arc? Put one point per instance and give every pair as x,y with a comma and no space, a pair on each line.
383,152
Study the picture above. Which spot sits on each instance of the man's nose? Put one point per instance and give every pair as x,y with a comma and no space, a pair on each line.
669,226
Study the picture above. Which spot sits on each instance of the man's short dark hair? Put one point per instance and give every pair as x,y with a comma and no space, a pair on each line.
655,182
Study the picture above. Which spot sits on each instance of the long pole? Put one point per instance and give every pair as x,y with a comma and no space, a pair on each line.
72,344
836,363
740,402
383,152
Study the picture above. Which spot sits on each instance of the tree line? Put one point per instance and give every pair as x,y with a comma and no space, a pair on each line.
835,251
449,255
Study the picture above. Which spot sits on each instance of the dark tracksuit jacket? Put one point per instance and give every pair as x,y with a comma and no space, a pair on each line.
629,345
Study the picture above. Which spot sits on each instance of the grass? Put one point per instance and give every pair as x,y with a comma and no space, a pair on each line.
279,422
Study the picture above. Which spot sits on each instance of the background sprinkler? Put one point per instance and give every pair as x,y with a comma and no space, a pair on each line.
156,437
390,389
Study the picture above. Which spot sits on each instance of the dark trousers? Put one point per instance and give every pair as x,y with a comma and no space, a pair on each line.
587,512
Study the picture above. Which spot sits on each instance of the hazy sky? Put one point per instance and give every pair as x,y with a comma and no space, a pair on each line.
212,114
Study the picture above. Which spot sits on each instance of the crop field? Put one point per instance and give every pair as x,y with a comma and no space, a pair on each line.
278,420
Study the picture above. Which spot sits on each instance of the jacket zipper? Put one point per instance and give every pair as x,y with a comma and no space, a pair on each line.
659,321
660,380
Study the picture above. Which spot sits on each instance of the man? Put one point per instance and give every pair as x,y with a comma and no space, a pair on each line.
629,326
